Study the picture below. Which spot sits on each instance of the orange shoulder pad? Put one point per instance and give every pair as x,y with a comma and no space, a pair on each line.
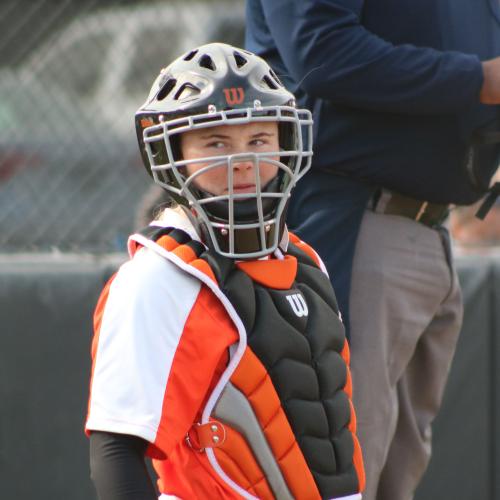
305,248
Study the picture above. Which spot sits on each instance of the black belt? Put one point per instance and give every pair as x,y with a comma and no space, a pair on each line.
391,203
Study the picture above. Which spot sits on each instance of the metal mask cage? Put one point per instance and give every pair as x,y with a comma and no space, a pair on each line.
229,216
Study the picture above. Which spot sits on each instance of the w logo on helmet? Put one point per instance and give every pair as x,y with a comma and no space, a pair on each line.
298,304
234,95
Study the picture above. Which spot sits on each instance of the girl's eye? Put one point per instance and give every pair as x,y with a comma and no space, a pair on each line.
258,142
216,145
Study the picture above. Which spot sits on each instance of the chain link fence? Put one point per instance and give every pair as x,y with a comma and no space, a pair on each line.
72,74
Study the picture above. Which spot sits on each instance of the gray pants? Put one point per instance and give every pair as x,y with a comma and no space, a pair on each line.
406,312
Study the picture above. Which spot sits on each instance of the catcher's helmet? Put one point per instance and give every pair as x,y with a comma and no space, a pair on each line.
213,85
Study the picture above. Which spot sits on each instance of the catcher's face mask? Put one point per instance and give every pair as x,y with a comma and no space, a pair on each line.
240,189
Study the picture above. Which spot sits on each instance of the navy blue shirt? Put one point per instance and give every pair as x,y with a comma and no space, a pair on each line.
394,90
393,85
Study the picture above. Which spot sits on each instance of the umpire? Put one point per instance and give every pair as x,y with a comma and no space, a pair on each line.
404,129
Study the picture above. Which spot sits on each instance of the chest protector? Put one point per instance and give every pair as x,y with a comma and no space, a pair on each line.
281,422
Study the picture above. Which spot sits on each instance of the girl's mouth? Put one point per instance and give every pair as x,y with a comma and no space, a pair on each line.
244,188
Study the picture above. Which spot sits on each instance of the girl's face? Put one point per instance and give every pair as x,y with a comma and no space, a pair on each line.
257,137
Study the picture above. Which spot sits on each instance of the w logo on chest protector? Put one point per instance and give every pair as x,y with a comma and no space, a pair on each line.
298,304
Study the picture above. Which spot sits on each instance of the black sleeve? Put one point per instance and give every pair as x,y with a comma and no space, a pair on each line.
118,469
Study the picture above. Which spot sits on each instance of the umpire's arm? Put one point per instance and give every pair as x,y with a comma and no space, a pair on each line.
326,48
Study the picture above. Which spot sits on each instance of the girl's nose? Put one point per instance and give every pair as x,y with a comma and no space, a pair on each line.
243,162
243,165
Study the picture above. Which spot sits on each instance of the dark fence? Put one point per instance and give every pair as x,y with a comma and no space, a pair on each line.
46,305
466,461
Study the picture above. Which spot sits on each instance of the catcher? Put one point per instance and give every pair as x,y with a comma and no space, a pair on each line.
218,349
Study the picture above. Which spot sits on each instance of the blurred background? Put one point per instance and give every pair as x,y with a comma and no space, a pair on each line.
72,74
72,187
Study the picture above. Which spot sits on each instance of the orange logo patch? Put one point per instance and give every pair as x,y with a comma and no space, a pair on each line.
146,122
234,95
